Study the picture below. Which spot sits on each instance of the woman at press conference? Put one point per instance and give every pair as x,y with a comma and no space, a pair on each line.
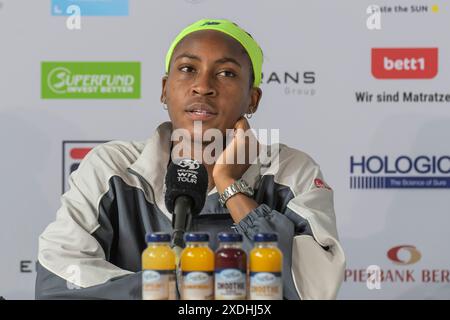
213,75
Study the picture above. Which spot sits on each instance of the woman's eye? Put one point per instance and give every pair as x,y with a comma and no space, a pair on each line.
227,73
186,69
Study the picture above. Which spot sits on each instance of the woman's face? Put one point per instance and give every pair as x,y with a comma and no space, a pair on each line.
209,81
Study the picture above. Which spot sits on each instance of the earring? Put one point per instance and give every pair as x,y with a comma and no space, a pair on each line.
250,114
164,103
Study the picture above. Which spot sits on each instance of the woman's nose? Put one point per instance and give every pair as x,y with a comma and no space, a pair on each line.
203,85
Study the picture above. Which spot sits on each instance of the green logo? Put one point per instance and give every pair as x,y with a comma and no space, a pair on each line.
90,80
210,23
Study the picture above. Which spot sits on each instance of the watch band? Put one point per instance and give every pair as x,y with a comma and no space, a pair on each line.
239,186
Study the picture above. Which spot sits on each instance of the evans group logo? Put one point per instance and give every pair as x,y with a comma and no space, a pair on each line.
387,172
91,7
90,80
292,82
73,153
404,63
404,255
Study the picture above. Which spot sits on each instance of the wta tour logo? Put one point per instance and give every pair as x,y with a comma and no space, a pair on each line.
401,172
73,153
90,80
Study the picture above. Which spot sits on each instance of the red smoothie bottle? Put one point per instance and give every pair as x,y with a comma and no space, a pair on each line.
230,268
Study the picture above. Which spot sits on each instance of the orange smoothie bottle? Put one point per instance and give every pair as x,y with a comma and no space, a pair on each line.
266,265
158,266
197,268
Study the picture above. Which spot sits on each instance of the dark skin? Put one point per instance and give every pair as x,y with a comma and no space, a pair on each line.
211,69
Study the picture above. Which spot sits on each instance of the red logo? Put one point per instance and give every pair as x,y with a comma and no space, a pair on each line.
414,254
404,63
73,153
320,184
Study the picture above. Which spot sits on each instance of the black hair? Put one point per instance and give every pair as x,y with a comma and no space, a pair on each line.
252,73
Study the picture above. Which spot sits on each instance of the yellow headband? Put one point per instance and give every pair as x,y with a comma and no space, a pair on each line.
231,29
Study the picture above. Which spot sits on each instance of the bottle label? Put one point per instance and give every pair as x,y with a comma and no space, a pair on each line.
230,284
158,285
266,286
197,285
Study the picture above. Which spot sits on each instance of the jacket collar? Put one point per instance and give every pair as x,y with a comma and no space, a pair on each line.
152,164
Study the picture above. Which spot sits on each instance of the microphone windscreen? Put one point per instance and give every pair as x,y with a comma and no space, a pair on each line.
186,177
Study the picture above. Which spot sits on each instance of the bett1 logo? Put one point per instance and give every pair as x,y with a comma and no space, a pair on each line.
404,63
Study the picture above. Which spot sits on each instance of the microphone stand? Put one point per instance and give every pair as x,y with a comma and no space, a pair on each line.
181,222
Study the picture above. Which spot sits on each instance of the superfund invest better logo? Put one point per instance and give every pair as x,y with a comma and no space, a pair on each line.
90,80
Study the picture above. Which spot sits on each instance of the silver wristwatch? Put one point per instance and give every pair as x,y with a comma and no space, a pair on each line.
239,186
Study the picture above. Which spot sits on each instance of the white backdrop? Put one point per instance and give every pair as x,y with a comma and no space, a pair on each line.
327,39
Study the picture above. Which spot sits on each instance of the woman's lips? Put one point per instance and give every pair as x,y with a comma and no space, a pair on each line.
200,112
201,115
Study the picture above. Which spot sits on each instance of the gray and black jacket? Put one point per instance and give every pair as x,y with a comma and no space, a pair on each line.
93,248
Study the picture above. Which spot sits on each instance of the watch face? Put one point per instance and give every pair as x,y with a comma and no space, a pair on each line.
245,187
243,183
237,187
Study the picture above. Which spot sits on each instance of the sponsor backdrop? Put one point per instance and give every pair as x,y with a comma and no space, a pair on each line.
360,86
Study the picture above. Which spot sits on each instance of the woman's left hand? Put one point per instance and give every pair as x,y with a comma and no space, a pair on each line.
241,152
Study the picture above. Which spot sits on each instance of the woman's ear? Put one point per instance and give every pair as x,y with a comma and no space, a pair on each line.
163,89
256,94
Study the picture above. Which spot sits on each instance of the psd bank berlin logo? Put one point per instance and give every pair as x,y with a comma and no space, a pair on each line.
90,80
397,255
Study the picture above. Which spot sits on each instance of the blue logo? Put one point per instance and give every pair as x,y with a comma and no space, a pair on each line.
150,276
264,278
91,7
197,278
401,172
231,275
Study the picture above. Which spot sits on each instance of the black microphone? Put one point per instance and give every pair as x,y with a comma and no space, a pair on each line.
186,186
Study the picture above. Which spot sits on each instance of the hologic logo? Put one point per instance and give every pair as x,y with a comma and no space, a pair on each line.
404,63
396,255
90,80
386,172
